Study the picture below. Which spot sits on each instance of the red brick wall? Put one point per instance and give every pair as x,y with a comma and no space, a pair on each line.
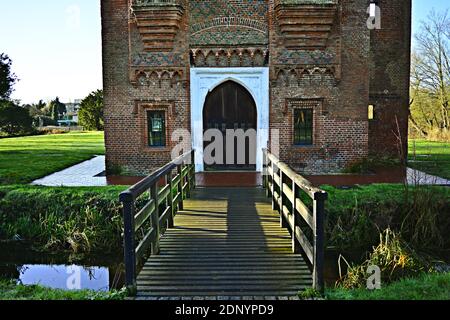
389,79
127,96
335,78
341,135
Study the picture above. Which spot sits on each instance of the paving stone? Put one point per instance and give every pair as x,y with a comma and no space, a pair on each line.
84,174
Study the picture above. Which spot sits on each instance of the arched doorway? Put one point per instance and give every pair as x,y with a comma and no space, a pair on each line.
231,107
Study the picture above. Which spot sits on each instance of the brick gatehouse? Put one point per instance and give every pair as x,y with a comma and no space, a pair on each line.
336,90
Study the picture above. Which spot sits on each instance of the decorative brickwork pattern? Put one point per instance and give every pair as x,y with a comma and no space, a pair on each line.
389,79
320,55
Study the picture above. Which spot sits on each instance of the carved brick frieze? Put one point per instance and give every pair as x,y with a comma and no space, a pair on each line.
158,22
229,57
291,75
142,76
305,24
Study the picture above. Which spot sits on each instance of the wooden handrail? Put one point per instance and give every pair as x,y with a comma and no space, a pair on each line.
292,216
157,214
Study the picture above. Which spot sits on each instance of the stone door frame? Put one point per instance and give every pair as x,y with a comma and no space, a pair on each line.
204,80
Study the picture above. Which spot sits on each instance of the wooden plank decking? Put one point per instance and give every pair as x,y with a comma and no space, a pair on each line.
226,242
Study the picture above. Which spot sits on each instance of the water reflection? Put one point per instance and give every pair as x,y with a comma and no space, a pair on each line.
62,271
71,277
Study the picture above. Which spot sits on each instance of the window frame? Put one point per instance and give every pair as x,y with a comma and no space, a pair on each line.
310,128
371,112
140,113
163,132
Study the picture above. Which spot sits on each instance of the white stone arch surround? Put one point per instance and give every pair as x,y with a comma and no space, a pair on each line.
204,80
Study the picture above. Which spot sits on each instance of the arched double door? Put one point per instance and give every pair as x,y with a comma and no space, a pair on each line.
231,107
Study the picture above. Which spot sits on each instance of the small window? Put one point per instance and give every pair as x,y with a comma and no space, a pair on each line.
303,127
156,128
373,10
371,112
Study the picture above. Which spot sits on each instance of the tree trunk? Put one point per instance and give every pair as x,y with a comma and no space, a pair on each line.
416,126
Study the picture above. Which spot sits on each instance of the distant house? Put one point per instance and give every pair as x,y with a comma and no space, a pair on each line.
71,115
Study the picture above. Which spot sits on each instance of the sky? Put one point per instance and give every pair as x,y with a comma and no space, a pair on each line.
56,49
55,46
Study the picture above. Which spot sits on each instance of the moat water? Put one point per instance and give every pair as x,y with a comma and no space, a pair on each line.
20,263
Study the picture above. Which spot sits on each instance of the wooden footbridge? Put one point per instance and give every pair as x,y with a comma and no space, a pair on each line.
182,241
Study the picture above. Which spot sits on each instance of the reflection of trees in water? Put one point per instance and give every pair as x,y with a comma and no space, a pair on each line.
115,280
10,272
116,275
90,271
118,280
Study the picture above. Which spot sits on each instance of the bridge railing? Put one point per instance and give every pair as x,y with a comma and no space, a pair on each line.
289,192
164,192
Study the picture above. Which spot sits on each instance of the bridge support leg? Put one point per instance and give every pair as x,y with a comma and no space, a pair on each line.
295,220
129,253
264,171
170,222
283,219
319,247
180,187
192,172
274,207
155,219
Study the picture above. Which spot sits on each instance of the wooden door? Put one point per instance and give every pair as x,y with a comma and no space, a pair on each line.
231,106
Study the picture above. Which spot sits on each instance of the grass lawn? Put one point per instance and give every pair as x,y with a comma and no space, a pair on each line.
9,290
355,217
425,287
25,159
56,219
430,157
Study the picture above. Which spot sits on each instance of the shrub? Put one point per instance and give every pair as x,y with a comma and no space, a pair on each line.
432,135
50,130
393,256
355,217
76,219
427,286
424,222
371,164
45,121
91,111
14,120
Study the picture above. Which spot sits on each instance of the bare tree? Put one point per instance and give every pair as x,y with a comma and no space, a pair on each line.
416,81
431,65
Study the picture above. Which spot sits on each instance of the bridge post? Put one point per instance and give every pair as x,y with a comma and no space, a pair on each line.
264,171
170,222
188,181
295,219
129,247
273,186
283,222
319,241
155,218
180,187
268,190
193,169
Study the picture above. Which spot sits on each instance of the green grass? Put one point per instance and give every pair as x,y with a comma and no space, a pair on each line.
25,159
355,217
9,290
56,218
425,287
430,157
